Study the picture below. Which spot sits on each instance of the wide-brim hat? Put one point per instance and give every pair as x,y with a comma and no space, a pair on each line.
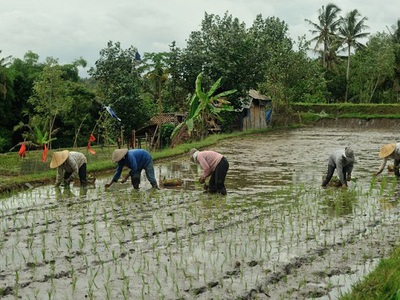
349,153
386,150
118,154
58,158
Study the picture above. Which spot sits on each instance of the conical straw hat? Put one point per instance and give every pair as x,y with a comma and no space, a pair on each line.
386,150
58,158
118,154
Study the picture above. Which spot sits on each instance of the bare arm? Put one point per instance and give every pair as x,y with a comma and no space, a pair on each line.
382,166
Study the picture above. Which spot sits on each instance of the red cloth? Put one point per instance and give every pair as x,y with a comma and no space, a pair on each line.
44,155
92,138
22,150
90,149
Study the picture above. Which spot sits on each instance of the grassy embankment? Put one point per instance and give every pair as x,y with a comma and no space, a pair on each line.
307,113
16,172
382,283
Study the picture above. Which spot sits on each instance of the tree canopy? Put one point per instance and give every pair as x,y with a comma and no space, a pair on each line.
53,98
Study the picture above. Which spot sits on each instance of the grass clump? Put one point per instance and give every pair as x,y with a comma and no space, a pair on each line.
382,283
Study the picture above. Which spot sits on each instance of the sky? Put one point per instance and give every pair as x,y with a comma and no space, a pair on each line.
69,30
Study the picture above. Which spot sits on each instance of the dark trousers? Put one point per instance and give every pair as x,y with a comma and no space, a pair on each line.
82,174
217,179
150,174
331,170
396,167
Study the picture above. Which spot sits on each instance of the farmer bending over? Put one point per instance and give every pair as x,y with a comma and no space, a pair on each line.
213,164
390,151
343,161
136,160
69,164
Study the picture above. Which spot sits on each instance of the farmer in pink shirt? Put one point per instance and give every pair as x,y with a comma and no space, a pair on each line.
213,164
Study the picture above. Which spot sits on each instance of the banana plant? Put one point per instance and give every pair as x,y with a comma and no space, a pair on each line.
204,105
42,138
33,136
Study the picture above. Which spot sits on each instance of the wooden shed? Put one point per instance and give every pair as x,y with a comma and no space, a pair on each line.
150,133
254,111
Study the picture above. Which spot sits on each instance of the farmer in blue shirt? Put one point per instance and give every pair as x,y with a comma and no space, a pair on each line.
136,160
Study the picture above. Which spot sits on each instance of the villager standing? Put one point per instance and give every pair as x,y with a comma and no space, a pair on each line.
214,165
69,164
343,161
136,160
391,151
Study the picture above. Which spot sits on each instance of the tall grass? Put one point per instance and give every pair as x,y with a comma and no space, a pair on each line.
383,283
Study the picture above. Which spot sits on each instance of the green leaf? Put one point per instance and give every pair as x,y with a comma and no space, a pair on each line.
214,87
176,129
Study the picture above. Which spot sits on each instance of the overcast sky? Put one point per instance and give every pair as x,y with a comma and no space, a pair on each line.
68,30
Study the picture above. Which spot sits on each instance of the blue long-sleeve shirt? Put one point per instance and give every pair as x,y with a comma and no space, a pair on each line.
136,160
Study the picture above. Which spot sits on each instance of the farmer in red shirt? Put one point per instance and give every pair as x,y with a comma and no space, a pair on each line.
213,164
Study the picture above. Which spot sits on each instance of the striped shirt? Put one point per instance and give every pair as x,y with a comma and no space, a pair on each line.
74,161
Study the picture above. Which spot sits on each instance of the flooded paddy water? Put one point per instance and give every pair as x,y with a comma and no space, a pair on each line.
276,235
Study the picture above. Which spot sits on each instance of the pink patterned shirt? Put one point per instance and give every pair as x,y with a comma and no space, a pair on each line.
208,161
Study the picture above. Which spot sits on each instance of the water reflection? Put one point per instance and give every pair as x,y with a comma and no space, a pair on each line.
66,193
63,194
275,209
260,165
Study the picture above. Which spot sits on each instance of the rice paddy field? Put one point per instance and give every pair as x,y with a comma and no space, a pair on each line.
276,235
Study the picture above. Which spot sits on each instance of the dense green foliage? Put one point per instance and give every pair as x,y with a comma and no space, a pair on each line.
53,98
118,86
204,107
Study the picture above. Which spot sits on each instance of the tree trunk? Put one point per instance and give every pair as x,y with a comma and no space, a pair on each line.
347,74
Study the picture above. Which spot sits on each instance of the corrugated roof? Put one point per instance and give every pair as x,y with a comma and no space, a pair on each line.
256,95
253,94
166,118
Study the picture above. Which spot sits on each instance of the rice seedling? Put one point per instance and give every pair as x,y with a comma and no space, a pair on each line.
171,243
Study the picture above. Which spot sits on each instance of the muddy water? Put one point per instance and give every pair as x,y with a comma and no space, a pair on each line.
276,235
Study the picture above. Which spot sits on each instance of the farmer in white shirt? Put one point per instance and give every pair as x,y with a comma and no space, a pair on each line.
343,161
69,164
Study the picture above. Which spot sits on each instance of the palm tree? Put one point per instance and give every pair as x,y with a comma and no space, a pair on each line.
396,32
333,59
351,30
325,29
4,62
155,69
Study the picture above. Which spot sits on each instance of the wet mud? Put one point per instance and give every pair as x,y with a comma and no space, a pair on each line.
276,235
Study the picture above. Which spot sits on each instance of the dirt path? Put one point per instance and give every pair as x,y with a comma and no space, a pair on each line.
277,235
